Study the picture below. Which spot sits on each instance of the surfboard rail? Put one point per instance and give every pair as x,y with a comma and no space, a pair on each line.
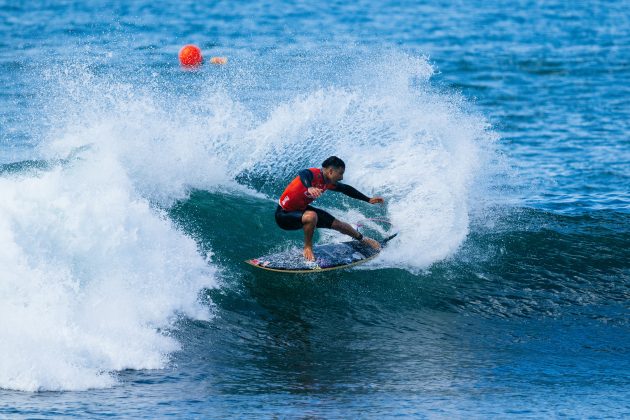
328,257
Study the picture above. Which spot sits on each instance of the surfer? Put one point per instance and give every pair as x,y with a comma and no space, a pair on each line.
295,212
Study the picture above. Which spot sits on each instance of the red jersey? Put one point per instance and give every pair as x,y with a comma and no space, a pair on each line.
296,195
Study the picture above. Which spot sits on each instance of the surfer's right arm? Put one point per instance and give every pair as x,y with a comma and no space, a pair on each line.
306,177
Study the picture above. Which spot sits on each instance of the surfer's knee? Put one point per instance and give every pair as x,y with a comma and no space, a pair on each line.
309,217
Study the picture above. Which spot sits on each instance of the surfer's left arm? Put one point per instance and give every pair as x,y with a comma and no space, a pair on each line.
356,194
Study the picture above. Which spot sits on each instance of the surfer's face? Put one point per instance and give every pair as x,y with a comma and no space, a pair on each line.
334,174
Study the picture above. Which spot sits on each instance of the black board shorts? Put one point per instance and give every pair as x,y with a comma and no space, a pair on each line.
292,220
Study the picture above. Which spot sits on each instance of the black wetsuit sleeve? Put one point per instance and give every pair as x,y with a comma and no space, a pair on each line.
307,177
350,192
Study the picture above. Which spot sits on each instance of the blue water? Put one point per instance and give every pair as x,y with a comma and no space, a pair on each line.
132,190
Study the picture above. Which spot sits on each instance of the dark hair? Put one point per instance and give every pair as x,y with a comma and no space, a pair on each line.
335,162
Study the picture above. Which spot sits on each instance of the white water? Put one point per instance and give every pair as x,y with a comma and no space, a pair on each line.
92,273
421,150
89,273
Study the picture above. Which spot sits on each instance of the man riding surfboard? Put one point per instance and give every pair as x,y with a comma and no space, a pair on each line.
295,212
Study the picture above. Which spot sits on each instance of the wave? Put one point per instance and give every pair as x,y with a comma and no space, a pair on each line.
94,271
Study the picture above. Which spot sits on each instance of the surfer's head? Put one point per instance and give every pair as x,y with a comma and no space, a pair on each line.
333,169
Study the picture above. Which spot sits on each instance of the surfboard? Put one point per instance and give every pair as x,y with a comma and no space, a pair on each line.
327,257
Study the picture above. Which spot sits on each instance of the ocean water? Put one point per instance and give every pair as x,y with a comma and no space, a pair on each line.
132,190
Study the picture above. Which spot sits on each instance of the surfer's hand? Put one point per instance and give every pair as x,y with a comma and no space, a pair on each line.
308,254
376,200
371,242
314,192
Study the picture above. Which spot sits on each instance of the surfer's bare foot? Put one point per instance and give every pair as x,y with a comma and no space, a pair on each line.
308,254
371,242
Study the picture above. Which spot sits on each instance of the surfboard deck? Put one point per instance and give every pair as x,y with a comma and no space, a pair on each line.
327,257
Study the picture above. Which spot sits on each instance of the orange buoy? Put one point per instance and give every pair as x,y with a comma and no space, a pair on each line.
190,56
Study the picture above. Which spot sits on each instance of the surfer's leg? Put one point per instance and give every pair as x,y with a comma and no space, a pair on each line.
347,229
309,222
